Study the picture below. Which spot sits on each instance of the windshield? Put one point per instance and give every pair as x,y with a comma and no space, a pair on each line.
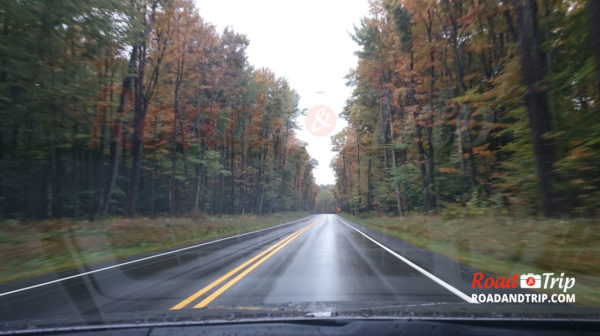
186,160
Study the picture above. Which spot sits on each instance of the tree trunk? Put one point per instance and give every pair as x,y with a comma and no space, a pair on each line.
199,177
142,98
172,180
396,186
231,201
412,101
136,152
533,70
593,7
469,145
431,119
461,154
369,185
390,124
421,163
358,170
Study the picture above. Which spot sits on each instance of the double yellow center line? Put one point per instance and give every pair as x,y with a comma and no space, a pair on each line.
253,263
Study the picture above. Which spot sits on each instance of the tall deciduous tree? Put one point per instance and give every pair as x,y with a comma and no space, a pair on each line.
479,102
141,108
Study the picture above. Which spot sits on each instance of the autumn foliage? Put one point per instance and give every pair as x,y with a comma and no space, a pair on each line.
141,107
485,104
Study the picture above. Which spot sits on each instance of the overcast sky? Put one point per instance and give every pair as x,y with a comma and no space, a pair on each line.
308,43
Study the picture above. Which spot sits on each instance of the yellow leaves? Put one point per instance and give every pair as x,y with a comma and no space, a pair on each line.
575,143
579,150
480,45
508,85
473,77
448,170
401,92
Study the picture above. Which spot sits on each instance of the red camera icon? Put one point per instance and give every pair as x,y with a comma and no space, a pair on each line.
531,280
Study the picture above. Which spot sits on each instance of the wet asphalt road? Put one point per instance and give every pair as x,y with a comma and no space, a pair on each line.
317,259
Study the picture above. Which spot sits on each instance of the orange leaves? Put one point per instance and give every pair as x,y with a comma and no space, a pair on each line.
471,15
158,126
483,152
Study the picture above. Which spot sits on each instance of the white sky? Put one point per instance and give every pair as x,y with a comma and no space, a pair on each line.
308,43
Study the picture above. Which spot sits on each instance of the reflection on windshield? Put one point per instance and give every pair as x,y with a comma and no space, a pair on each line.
152,168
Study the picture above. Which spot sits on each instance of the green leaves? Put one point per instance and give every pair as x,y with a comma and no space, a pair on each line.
217,135
449,77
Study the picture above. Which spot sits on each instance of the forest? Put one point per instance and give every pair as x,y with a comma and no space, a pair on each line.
472,106
140,107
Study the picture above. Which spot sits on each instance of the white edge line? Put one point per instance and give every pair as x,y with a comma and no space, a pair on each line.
413,265
145,258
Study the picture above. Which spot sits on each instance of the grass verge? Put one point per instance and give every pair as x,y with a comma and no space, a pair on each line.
504,245
34,248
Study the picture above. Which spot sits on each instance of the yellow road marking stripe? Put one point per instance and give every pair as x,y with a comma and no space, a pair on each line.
240,276
199,293
213,284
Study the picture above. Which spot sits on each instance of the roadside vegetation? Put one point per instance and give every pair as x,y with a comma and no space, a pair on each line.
452,106
139,108
468,120
504,245
325,201
35,248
